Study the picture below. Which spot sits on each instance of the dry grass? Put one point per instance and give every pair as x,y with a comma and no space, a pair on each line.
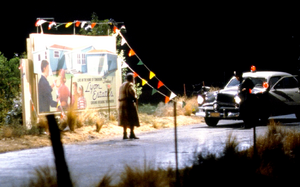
43,176
185,106
276,163
86,126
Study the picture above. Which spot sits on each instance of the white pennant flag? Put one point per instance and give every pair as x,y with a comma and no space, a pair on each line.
83,23
124,65
123,41
172,96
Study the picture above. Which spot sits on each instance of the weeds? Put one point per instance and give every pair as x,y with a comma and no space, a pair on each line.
43,176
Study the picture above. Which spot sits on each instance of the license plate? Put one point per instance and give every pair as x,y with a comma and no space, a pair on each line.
215,114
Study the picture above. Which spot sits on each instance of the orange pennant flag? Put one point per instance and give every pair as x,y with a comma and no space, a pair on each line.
151,75
131,53
135,74
93,25
167,99
160,84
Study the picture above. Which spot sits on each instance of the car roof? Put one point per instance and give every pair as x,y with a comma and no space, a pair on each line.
265,74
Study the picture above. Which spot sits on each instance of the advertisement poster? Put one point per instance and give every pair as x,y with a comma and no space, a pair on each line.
77,71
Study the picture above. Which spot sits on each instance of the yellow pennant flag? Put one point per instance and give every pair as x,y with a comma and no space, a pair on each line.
151,75
144,82
69,24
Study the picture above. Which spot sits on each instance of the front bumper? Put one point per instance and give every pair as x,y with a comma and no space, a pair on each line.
224,112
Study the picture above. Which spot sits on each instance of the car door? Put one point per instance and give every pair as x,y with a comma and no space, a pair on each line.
286,91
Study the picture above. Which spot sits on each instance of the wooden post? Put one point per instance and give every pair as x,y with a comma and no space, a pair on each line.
62,172
108,104
176,146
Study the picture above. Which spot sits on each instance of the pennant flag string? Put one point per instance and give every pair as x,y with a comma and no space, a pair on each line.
144,82
131,53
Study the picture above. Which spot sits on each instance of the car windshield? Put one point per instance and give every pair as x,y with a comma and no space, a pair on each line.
257,81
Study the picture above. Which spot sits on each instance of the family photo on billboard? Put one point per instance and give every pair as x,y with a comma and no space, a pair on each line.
74,71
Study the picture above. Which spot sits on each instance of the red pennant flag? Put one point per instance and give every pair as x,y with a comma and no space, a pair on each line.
77,23
167,99
93,25
160,84
135,74
131,53
115,29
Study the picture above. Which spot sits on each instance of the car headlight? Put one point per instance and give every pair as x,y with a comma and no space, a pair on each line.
237,99
200,100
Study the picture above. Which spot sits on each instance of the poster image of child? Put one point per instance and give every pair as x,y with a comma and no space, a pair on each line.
44,89
62,89
74,96
81,103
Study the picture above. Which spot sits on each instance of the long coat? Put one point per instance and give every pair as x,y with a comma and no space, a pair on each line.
128,115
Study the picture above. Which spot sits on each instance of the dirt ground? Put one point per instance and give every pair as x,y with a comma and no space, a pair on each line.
88,133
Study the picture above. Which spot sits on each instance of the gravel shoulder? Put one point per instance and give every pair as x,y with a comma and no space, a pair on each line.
88,133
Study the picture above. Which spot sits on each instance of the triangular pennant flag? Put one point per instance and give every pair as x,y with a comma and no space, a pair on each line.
135,74
160,84
183,104
151,75
172,96
69,24
123,41
83,23
77,23
144,82
154,91
116,29
140,63
51,24
167,99
93,25
131,53
40,22
124,65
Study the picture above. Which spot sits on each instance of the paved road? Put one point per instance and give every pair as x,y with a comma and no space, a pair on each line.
89,161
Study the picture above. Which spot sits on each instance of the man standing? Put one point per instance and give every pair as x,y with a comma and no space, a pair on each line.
44,89
128,115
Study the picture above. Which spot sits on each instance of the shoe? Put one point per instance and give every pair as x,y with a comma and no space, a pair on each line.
125,136
132,136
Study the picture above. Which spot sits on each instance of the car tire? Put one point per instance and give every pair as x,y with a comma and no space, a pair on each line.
212,122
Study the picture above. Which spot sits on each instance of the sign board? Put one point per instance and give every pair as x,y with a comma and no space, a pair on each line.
73,70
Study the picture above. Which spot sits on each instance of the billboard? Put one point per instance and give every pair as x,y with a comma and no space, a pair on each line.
74,70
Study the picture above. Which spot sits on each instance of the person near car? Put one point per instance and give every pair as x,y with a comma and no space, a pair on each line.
245,87
128,115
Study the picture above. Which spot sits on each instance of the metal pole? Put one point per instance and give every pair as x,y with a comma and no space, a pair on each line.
254,142
176,146
108,90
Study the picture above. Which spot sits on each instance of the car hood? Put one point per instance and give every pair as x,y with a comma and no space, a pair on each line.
230,91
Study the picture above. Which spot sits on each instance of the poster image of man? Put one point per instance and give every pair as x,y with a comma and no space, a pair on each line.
44,89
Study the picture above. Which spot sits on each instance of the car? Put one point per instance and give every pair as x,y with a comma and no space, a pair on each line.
274,93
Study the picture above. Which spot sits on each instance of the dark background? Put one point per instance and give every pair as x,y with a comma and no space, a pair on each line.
182,43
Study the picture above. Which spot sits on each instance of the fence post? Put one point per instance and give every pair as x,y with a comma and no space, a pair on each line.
62,172
176,146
